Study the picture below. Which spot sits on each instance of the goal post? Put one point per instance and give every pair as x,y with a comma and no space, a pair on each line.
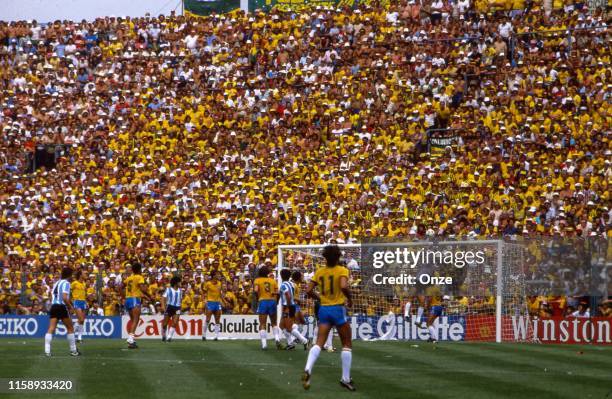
499,292
486,300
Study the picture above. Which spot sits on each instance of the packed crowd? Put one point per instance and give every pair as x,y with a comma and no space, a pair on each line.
196,144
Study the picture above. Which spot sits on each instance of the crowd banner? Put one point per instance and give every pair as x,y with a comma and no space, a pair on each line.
208,7
18,326
47,11
297,5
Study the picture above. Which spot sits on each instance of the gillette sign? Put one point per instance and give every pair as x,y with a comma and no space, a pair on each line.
394,327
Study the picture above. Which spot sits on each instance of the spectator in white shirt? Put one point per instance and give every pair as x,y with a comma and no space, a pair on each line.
582,312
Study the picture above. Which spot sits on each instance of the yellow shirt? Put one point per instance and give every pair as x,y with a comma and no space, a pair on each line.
296,291
268,288
78,290
232,300
328,280
110,309
213,291
132,286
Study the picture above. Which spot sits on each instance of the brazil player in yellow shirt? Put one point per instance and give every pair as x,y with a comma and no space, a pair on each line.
436,307
79,294
297,280
332,282
135,289
266,290
214,297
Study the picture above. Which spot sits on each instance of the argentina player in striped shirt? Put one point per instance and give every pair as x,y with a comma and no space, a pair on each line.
171,302
287,324
61,307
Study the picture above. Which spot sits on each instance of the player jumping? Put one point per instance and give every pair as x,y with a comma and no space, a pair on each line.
79,293
287,295
214,297
266,290
296,281
60,310
135,289
334,292
436,307
171,302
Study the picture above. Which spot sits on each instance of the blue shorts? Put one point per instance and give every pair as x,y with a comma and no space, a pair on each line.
334,315
436,310
80,305
131,303
212,306
267,306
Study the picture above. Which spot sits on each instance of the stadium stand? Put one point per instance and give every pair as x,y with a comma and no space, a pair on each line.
195,144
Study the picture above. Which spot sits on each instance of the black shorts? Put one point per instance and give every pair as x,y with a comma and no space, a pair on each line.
317,306
58,312
172,310
289,311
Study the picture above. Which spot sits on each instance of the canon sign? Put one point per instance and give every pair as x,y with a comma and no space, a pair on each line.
190,327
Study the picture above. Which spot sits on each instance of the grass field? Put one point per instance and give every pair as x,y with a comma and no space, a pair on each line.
239,369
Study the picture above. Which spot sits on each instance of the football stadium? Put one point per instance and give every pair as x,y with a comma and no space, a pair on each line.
306,198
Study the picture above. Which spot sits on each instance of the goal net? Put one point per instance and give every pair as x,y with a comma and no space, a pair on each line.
481,285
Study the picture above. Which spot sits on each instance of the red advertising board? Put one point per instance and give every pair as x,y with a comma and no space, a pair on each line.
556,330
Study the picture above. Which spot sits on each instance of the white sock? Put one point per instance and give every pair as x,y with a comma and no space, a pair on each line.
217,329
264,337
71,342
130,339
205,328
433,332
288,336
419,314
276,332
171,332
347,357
77,327
48,338
313,355
329,343
296,333
407,309
164,330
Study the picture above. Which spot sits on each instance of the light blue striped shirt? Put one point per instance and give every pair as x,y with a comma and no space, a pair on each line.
286,286
60,288
174,297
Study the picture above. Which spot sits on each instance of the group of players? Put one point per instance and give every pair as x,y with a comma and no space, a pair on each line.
329,287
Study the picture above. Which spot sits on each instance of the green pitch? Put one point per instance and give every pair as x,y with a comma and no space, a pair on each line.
239,369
